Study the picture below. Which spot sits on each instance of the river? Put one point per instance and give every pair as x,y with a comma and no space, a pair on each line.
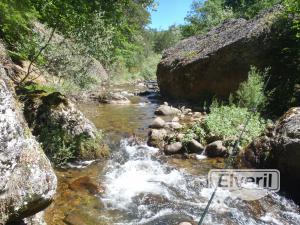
138,185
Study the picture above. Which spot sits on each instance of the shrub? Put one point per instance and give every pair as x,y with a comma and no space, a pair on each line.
226,123
251,94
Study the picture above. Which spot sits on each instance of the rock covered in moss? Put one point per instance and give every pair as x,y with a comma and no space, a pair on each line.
66,134
28,182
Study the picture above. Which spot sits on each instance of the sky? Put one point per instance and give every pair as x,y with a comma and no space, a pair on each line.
170,12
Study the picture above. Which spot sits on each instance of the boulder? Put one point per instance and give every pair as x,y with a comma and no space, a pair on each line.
216,149
28,182
195,147
173,125
53,119
156,137
173,148
37,219
216,63
279,149
157,123
165,110
114,98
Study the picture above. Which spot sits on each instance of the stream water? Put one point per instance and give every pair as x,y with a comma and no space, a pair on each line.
137,185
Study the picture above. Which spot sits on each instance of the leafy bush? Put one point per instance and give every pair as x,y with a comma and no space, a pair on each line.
204,16
145,70
251,94
293,7
15,27
226,123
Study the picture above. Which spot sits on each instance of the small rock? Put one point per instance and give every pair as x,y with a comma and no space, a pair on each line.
173,125
175,119
157,123
216,149
173,148
185,223
195,147
198,114
180,136
141,85
166,110
156,137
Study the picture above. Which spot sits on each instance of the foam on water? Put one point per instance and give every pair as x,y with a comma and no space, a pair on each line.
145,188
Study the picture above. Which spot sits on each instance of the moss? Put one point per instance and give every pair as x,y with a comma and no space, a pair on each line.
190,55
57,141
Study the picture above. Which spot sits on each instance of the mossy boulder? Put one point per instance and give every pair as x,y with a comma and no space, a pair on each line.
65,133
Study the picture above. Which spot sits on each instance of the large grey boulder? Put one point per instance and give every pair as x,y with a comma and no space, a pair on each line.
28,182
216,63
279,149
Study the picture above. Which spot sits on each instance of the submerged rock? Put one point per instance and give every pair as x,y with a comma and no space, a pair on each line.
28,182
216,63
86,184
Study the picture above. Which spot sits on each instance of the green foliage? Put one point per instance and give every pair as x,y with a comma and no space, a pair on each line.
221,126
249,8
204,16
61,147
57,144
146,70
165,39
39,87
293,8
195,132
15,27
251,94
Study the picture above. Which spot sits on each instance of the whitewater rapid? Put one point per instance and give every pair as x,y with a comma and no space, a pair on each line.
148,190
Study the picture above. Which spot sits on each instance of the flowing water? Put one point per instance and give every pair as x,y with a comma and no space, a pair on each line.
138,185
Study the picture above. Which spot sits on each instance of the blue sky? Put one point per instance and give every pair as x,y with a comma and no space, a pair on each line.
170,12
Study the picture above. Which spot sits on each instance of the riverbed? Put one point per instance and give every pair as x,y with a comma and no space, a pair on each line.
139,185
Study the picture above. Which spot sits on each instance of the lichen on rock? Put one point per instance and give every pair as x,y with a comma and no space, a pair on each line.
28,182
